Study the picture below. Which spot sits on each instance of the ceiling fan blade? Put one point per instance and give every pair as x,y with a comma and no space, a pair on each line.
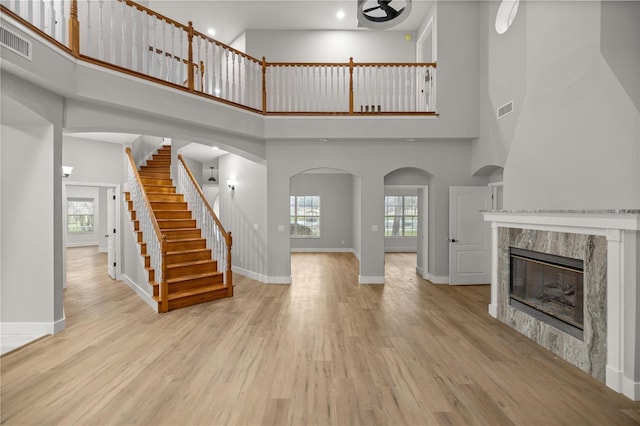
391,12
371,9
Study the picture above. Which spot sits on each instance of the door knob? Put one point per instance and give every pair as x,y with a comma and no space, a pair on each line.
453,240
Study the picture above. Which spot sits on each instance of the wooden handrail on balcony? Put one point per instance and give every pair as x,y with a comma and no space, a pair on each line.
345,100
226,235
164,288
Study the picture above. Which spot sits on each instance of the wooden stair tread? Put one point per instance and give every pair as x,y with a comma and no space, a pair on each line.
194,277
169,253
196,291
191,263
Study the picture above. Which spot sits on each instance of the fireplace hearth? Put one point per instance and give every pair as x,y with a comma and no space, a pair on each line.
548,287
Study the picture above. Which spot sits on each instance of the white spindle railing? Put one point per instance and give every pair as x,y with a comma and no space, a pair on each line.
218,241
147,223
129,35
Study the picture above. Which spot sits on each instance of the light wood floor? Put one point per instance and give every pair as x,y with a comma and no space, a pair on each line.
322,351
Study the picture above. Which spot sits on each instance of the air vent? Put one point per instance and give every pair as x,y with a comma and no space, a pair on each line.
505,109
15,43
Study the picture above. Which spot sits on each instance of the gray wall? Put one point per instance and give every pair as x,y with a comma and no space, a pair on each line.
447,161
330,46
31,209
336,210
572,69
243,212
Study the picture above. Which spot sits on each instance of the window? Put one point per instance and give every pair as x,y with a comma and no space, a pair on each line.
79,215
400,215
304,211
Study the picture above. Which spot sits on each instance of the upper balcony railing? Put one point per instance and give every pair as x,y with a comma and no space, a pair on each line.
128,37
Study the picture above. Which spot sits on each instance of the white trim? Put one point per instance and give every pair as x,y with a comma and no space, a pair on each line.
631,389
370,280
84,244
322,250
613,378
420,271
501,183
35,328
278,280
401,249
140,292
435,279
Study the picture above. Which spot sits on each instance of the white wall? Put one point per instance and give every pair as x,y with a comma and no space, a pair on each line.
31,208
336,215
243,212
572,68
330,46
93,161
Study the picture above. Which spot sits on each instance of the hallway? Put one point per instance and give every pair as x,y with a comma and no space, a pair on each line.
324,350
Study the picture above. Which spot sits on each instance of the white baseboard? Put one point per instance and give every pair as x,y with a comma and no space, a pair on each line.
370,280
322,250
420,271
87,244
265,279
613,378
437,279
631,389
400,250
141,292
35,328
493,310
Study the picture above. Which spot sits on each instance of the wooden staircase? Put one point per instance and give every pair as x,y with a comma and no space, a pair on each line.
191,274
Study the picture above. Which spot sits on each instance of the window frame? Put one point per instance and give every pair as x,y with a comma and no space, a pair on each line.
294,218
70,201
403,216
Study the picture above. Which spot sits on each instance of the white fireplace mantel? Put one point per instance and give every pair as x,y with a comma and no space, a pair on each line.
622,231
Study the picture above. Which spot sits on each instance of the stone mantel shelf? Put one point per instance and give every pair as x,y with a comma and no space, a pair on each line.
620,219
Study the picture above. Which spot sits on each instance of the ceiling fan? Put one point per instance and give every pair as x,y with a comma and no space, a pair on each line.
379,14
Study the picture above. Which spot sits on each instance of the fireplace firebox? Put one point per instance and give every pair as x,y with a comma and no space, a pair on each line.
549,288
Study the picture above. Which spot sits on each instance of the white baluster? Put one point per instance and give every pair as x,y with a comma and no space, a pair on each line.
181,64
112,58
226,75
100,30
134,39
63,24
52,20
163,62
153,69
89,44
145,57
42,13
123,26
29,11
171,69
199,62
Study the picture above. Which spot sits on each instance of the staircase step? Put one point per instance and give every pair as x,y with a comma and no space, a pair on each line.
153,196
176,223
181,256
193,282
160,189
181,233
153,181
148,174
168,205
186,244
189,269
172,214
197,296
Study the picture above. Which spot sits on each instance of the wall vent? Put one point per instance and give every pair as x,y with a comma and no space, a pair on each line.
505,109
15,43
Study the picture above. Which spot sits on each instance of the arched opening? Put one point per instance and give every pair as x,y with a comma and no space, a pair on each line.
406,224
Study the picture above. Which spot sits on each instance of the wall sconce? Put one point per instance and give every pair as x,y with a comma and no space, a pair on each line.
66,171
231,184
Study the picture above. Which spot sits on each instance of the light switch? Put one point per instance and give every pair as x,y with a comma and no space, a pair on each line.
280,228
255,226
374,228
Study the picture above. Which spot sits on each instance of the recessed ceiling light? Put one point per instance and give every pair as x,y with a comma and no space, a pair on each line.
211,32
411,140
340,15
324,140
214,147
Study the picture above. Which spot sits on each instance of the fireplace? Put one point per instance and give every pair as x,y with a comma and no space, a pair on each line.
549,288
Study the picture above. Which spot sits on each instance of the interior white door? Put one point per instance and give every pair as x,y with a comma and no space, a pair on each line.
469,235
111,232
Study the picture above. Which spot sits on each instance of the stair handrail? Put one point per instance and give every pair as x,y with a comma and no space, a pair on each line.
151,234
207,220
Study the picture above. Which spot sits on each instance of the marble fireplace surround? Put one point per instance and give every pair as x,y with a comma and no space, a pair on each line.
609,243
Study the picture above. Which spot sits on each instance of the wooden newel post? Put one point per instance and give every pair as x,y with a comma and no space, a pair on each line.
264,85
74,29
190,70
229,273
351,85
